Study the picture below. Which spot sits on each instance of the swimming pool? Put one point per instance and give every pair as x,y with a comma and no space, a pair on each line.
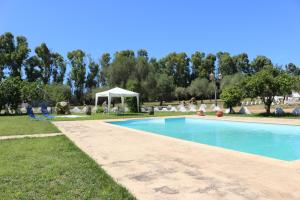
275,141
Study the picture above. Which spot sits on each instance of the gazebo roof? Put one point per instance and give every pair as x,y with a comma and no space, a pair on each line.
117,92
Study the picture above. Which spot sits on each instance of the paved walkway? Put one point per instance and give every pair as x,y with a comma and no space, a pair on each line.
154,167
28,136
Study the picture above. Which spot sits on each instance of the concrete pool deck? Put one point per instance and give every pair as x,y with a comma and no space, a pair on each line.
153,166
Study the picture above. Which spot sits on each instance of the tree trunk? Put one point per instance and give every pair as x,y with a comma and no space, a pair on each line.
161,102
268,107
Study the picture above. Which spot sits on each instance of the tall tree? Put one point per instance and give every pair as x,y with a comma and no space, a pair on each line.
33,69
121,68
259,63
291,68
198,88
226,64
197,64
59,68
242,63
13,54
104,73
45,56
142,66
92,77
164,87
208,66
177,65
78,72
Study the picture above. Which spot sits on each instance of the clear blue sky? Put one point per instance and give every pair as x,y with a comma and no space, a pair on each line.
257,27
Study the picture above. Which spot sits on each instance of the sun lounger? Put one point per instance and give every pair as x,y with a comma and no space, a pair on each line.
202,108
31,115
45,112
244,110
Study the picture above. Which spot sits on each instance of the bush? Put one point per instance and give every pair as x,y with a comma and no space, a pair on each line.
132,104
88,110
32,91
56,93
11,93
99,110
62,108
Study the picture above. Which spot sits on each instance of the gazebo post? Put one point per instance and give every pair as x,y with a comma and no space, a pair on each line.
108,105
122,100
96,101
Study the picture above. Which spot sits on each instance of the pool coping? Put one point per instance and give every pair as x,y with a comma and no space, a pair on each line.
268,160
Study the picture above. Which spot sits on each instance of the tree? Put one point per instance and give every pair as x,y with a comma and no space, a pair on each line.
11,92
121,68
104,73
177,65
259,63
208,66
45,61
93,75
242,63
292,69
226,64
164,88
231,80
141,67
181,93
268,83
13,54
32,91
132,85
197,64
57,92
32,69
198,88
78,72
232,96
59,68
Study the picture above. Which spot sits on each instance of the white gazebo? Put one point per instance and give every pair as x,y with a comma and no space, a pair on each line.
117,92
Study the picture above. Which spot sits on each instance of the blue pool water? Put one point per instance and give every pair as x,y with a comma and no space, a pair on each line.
275,141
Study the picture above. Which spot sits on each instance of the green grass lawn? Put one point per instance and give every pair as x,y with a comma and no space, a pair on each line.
21,125
53,168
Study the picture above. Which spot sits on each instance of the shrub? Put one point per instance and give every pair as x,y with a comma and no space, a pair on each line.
11,92
132,104
231,96
62,108
56,93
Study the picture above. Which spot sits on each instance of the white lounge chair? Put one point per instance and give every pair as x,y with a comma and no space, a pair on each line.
192,108
244,110
164,110
202,108
173,109
216,108
156,109
182,109
227,110
75,110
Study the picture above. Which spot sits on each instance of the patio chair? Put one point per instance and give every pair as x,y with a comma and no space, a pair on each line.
45,112
31,115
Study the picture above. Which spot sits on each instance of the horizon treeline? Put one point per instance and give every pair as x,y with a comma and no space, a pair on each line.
174,75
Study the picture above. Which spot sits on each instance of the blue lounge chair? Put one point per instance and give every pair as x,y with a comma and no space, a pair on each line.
45,112
31,114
